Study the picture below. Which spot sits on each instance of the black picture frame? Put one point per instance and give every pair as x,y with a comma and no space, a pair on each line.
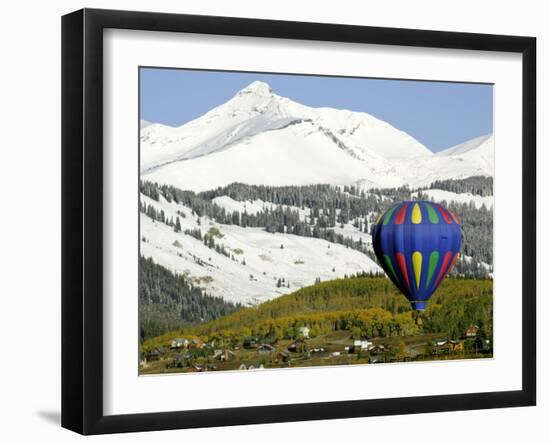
82,220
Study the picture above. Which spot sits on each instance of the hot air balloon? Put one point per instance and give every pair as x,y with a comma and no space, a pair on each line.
417,243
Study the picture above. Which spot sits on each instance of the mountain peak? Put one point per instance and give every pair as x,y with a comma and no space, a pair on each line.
257,88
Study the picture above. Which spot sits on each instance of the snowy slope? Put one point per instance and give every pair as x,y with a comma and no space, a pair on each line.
258,137
474,157
300,261
483,144
440,195
254,206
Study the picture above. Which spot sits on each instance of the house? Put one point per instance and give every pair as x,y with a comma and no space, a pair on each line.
472,331
178,343
297,346
448,347
303,331
224,355
365,344
441,347
376,349
265,348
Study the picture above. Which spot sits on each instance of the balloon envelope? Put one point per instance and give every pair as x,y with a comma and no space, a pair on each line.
417,243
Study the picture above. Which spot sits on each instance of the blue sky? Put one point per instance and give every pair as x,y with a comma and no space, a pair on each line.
438,114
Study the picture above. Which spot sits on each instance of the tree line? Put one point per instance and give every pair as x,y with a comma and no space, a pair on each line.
168,301
477,185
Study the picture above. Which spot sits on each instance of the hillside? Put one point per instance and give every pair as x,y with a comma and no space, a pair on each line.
239,257
368,306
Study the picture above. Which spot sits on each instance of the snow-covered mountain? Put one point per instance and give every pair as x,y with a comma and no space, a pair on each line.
259,137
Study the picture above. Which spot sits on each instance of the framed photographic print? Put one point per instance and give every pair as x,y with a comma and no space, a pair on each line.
269,221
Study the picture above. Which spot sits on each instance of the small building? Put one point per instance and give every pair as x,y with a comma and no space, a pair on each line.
448,347
376,349
179,343
303,331
441,347
472,331
365,344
